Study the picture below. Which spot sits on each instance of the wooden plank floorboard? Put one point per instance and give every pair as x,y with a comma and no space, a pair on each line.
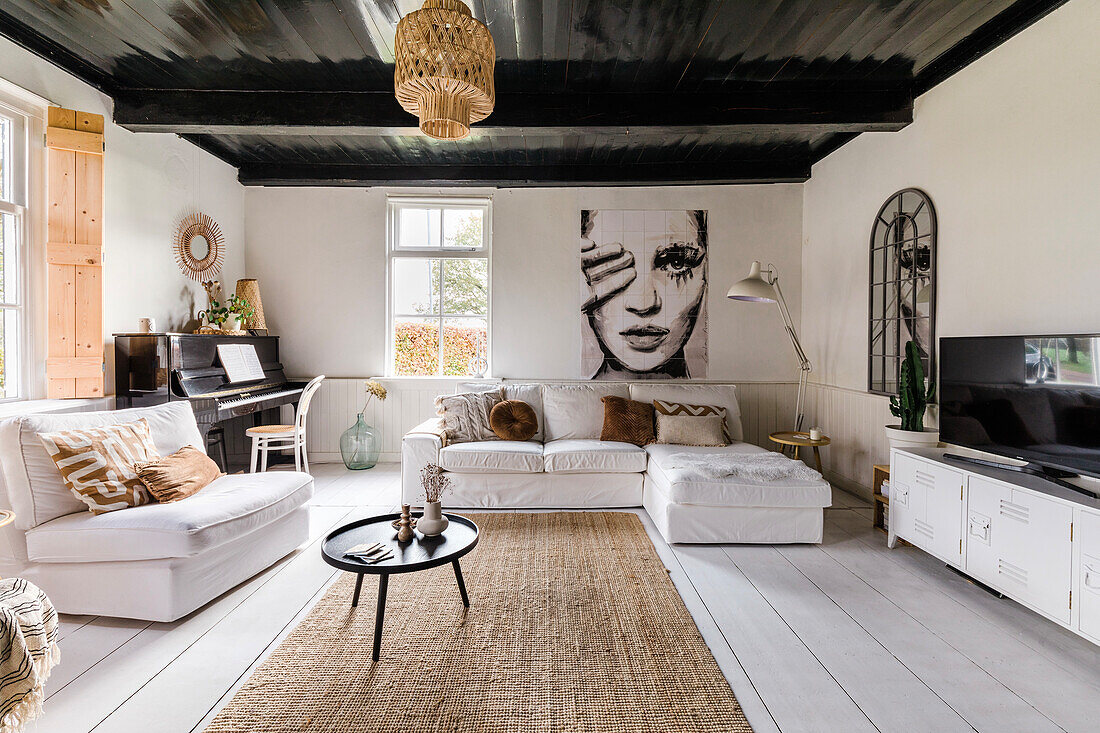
800,694
757,713
898,701
981,700
217,660
1060,646
841,636
123,672
1036,679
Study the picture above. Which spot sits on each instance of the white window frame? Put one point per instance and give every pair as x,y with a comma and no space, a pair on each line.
394,205
18,371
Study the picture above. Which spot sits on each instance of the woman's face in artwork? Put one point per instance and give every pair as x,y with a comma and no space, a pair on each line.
646,292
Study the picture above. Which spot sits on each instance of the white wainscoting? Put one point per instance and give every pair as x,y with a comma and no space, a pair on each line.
765,408
854,419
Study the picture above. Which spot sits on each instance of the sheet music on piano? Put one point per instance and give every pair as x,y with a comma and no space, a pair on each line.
240,362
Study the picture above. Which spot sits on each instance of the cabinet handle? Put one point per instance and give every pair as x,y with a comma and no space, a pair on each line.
1092,577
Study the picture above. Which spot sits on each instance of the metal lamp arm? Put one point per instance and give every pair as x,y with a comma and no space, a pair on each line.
804,361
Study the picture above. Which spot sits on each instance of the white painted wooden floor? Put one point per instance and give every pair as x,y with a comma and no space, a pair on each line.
845,636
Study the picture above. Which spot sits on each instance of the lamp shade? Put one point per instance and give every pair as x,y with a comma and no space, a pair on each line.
754,288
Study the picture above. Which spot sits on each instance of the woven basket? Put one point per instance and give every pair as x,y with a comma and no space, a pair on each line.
249,289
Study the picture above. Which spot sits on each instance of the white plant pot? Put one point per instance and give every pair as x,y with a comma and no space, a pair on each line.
927,438
232,322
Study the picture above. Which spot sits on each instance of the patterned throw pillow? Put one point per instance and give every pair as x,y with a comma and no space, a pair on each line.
98,464
663,407
466,416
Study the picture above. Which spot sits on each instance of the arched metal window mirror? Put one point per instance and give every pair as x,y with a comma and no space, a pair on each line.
902,288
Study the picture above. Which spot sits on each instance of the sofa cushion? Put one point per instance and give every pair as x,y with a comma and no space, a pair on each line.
178,476
230,507
99,465
682,486
593,456
466,415
529,393
513,420
574,411
627,421
34,485
718,395
493,456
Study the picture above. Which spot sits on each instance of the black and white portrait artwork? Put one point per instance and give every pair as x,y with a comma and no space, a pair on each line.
643,294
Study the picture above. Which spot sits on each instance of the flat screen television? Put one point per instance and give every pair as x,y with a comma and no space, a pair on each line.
1033,398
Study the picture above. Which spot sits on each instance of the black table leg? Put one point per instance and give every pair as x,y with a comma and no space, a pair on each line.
383,582
358,587
461,584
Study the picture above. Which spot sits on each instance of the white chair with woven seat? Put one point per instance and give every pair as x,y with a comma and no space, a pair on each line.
267,438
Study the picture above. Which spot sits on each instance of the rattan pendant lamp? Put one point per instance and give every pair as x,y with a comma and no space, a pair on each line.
443,73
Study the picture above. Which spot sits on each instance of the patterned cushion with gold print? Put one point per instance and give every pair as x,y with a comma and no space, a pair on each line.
99,464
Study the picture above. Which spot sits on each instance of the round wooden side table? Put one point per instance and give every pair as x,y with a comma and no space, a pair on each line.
801,440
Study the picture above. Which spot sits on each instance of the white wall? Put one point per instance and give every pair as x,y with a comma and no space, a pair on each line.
320,254
1009,152
151,180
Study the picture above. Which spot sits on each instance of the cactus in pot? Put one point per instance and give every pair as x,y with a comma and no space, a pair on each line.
910,403
912,398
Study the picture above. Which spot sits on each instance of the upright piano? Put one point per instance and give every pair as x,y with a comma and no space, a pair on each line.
152,368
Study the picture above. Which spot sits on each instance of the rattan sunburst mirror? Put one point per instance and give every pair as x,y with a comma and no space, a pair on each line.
199,247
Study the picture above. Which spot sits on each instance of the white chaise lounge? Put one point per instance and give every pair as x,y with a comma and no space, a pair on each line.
566,466
158,561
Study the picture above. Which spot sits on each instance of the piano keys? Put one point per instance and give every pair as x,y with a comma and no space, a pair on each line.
163,367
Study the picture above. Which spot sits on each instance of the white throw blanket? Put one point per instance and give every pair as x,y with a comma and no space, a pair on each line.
28,651
754,466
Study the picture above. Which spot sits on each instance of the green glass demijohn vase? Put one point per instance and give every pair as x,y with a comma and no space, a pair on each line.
359,445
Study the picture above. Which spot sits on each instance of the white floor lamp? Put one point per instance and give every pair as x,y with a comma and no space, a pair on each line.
762,286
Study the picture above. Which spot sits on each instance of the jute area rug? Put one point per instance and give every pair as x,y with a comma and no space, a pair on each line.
574,625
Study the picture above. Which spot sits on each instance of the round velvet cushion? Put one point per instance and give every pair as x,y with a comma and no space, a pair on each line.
513,420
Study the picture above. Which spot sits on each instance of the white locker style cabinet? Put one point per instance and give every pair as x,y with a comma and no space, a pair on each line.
1033,541
926,505
1087,591
1019,543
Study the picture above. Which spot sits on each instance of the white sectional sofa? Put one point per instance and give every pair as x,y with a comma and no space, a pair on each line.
157,561
566,466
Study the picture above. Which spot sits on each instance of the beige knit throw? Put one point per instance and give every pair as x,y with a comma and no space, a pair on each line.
28,652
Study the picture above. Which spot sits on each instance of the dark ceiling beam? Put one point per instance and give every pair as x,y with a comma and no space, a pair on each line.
57,54
377,113
992,33
636,174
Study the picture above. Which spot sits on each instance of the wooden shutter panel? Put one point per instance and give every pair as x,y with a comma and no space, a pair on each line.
74,254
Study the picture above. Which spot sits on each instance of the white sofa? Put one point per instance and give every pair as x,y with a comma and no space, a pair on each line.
157,561
566,466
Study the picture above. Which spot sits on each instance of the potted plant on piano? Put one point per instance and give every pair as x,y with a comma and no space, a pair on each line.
910,403
237,312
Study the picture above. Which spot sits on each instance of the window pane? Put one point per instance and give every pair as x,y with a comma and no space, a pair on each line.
466,287
418,227
6,192
465,346
415,346
462,228
9,354
9,259
415,286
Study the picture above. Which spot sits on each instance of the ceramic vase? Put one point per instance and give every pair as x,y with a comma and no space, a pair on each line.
359,445
232,322
433,522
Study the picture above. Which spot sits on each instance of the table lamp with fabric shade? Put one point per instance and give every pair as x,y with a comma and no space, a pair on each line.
762,286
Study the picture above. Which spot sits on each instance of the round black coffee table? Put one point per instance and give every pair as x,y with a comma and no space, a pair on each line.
419,553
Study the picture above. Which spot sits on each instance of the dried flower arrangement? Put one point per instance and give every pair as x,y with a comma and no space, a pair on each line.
374,389
435,483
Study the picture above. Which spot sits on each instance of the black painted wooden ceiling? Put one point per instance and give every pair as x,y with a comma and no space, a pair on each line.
589,91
